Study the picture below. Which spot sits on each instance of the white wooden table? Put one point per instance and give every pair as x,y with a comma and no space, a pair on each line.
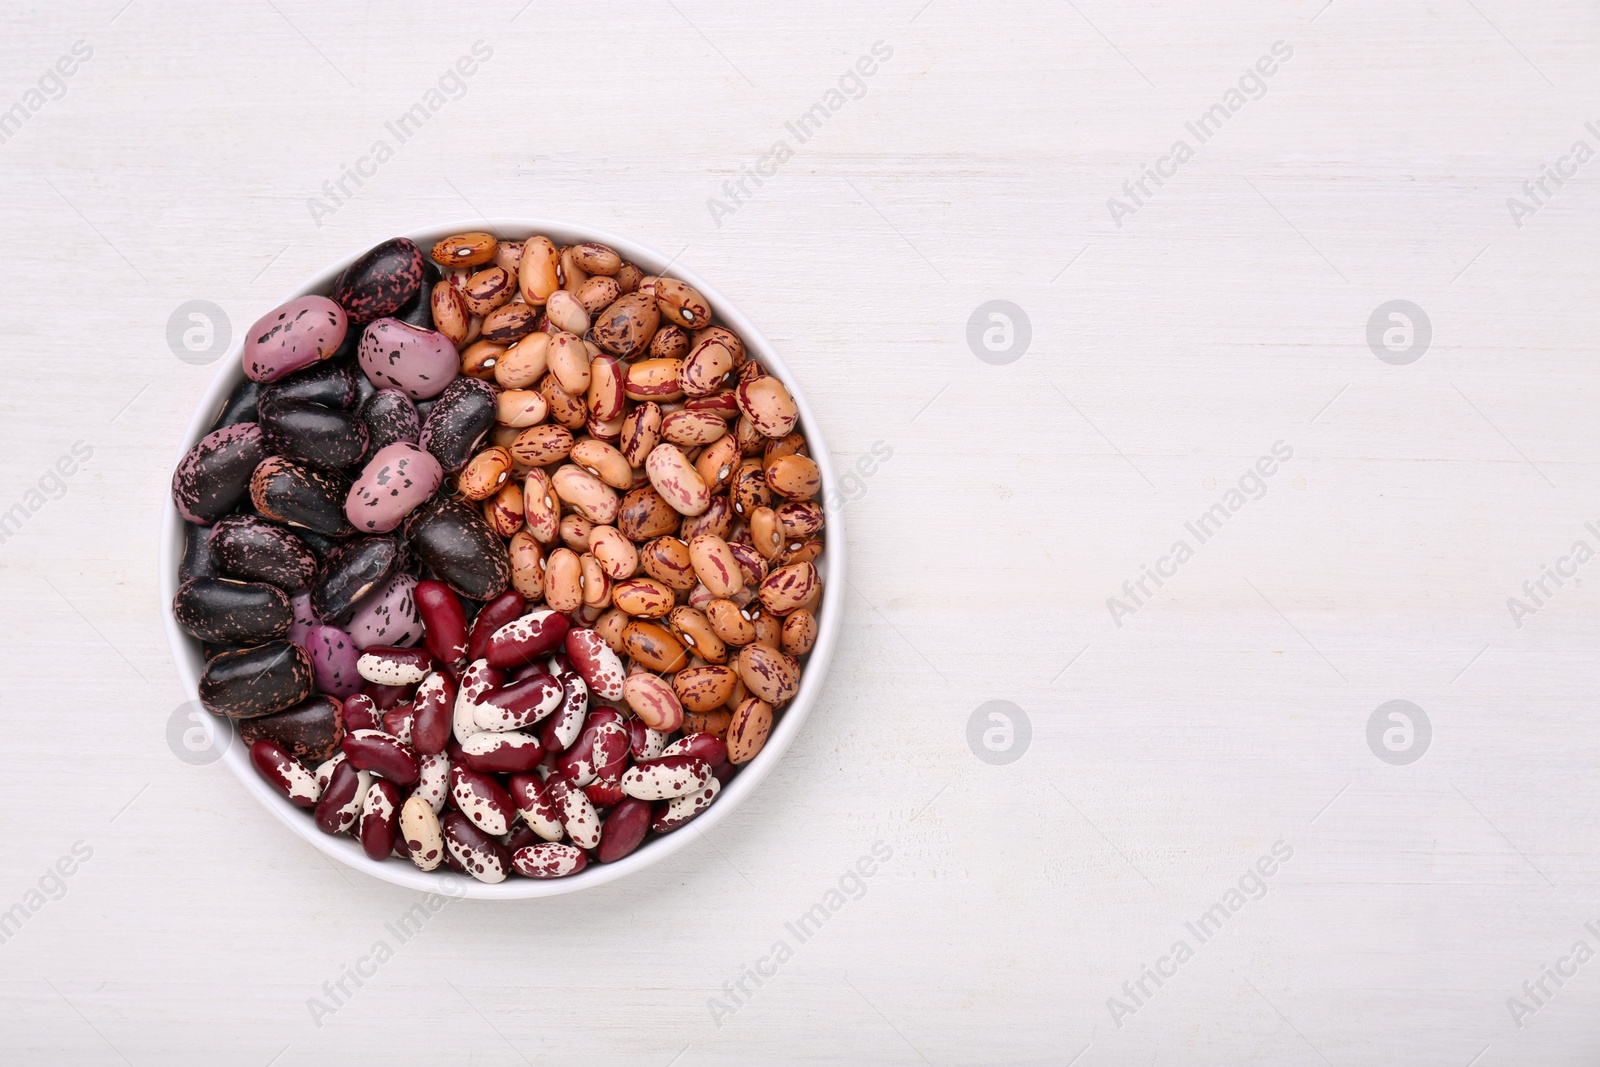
1177,741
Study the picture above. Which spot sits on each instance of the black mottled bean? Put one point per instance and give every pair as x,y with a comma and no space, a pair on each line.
240,405
254,550
256,681
455,542
331,382
354,570
297,495
228,612
458,421
384,280
309,731
313,433
215,475
390,416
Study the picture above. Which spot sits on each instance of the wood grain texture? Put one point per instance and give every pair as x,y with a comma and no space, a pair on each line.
1168,754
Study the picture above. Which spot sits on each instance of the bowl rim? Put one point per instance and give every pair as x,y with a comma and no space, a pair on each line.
343,849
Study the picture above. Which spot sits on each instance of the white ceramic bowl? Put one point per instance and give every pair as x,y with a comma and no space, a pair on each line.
186,650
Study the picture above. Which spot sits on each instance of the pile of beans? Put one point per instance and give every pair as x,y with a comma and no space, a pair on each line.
502,556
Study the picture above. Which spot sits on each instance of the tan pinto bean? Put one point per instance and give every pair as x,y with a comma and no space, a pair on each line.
766,673
563,580
748,730
508,256
503,436
723,336
641,431
596,586
717,462
503,511
572,275
800,519
786,588
597,294
799,633
616,554
569,410
629,277
705,367
542,445
588,495
682,304
653,646
731,622
527,565
488,289
465,249
750,439
627,326
604,462
749,489
765,531
609,627
539,273
596,258
450,314
769,407
566,313
575,531
703,689
715,566
697,634
668,560
568,360
484,474
794,477
716,520
607,397
643,514
523,363
691,429
653,379
751,563
769,628
675,478
540,507
643,598
806,551
509,322
520,408
670,342
479,358
778,447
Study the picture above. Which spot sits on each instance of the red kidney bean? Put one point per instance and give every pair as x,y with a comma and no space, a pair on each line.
325,769
535,807
666,777
519,704
643,742
433,781
476,680
340,805
708,747
387,697
563,728
577,813
549,859
671,814
624,828
470,851
521,837
284,773
380,813
400,722
611,747
435,704
361,713
525,639
597,662
382,754
480,798
445,619
501,753
605,792
493,615
390,666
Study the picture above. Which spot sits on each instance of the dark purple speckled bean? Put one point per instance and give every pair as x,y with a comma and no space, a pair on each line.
292,336
255,550
384,280
214,475
390,417
456,425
